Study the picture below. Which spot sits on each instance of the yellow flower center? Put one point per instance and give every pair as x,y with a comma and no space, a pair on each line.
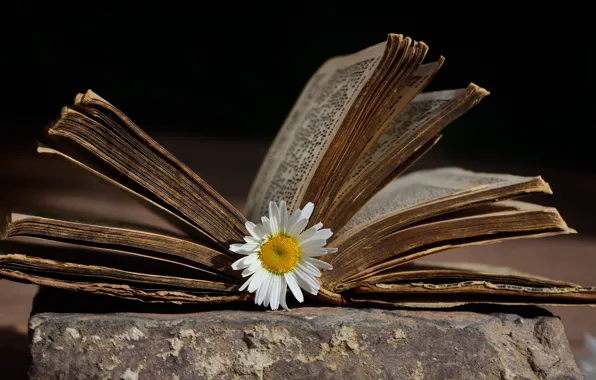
280,254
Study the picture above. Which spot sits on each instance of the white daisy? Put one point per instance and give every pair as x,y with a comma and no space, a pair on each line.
280,254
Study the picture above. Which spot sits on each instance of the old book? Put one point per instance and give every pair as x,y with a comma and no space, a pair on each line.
340,161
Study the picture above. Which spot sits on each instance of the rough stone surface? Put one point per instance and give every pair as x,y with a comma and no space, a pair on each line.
319,343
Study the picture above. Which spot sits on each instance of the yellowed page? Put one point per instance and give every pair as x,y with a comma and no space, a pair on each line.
309,129
426,186
407,125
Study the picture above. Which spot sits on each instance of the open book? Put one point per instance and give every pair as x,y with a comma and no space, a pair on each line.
360,122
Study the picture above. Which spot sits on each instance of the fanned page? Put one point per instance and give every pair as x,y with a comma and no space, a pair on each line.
365,123
56,270
421,295
420,122
482,224
108,260
117,266
414,198
433,191
71,194
141,243
447,285
309,129
123,285
439,273
346,105
149,212
94,130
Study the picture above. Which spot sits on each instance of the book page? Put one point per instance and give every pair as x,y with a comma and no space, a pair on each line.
408,124
57,187
309,129
425,186
60,268
482,224
126,207
107,256
109,142
439,272
417,82
424,295
150,244
404,140
125,291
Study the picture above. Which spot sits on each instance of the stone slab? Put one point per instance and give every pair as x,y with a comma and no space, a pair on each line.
306,343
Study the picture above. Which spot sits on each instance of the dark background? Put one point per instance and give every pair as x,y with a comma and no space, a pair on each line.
222,69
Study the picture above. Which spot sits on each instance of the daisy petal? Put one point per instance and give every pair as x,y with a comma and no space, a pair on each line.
322,234
283,216
259,277
243,249
307,210
265,289
298,227
264,220
259,291
257,294
282,295
250,226
265,225
319,263
314,252
273,226
250,247
309,268
293,220
275,291
246,283
294,288
244,262
246,252
307,282
261,230
236,247
247,272
313,244
331,250
269,295
307,288
254,265
251,240
309,232
273,211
